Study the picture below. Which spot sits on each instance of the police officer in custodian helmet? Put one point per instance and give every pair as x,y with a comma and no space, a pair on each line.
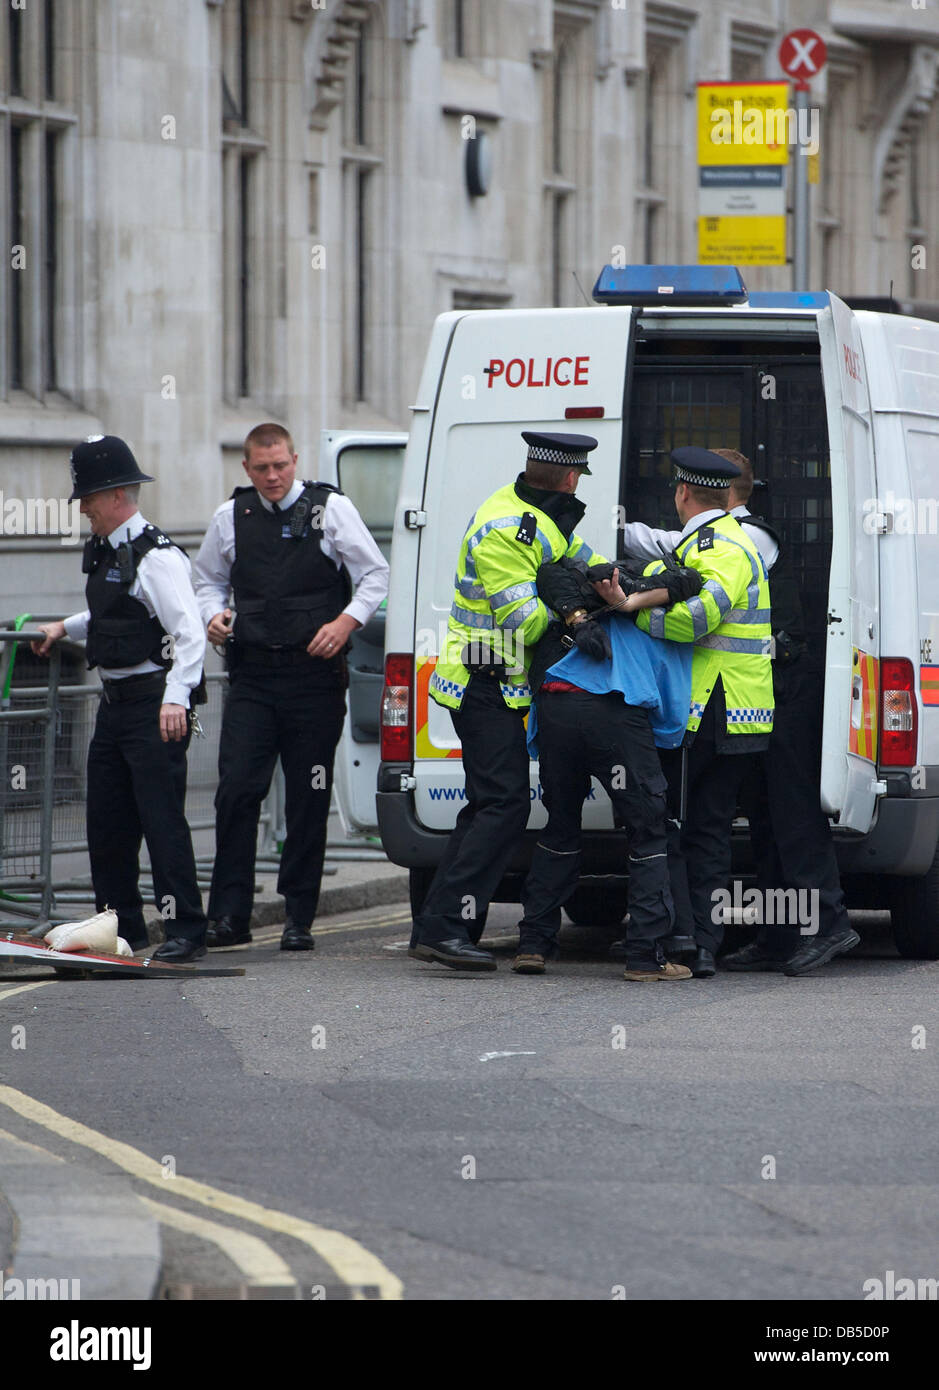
142,630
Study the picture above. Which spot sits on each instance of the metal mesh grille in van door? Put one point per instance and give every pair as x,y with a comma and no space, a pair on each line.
794,433
673,404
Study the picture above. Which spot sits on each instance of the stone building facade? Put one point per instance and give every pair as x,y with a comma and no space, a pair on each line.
222,211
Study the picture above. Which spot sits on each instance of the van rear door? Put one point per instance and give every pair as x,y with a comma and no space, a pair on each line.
367,466
507,371
849,745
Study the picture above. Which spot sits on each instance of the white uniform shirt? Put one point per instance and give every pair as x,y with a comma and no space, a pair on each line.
644,541
763,542
164,586
345,540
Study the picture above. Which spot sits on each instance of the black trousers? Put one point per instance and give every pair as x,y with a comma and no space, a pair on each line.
137,790
273,712
579,736
498,799
700,851
789,832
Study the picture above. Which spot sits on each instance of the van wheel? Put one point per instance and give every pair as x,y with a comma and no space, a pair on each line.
590,906
914,913
419,881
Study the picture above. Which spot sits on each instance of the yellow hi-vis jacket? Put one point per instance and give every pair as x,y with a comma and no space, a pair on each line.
729,624
495,602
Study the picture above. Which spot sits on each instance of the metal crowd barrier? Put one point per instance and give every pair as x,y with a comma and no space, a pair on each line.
28,749
45,731
44,736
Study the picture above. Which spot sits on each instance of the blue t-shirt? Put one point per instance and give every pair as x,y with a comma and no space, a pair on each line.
647,671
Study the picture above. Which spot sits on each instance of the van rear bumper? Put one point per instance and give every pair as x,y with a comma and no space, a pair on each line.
407,842
902,841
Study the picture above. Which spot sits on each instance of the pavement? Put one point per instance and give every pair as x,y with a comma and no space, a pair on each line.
68,1221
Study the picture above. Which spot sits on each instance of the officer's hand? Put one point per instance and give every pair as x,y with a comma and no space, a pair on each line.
173,722
332,637
219,629
592,639
54,633
681,583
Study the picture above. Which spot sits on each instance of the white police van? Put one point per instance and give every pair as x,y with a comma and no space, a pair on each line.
839,412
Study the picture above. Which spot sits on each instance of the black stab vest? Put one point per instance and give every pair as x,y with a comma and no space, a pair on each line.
284,586
121,631
784,596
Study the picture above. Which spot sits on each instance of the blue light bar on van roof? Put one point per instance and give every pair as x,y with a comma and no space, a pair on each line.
789,299
685,285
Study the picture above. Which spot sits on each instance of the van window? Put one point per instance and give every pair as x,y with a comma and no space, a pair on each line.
369,476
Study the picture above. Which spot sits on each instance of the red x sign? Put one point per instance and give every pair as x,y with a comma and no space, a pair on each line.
802,55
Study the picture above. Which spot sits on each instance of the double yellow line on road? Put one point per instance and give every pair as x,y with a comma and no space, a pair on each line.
357,1267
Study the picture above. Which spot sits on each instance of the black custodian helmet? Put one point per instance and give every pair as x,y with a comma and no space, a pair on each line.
100,462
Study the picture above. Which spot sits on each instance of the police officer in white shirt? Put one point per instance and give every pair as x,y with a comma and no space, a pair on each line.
142,630
279,546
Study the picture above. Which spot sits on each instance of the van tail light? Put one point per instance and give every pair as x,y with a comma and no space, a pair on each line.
898,716
397,710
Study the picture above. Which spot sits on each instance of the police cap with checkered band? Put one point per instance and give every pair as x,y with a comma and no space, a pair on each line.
567,450
702,468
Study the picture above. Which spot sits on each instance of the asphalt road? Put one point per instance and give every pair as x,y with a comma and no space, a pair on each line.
504,1137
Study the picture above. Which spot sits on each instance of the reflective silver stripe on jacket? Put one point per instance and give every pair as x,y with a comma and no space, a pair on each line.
469,586
469,618
503,523
747,615
757,646
512,594
720,596
518,615
699,616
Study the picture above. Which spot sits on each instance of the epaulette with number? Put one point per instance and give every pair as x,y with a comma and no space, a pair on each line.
155,535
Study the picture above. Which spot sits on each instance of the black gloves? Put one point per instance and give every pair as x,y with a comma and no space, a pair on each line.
566,585
563,586
681,581
592,639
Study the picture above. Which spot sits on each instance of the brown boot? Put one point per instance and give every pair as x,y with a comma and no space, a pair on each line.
668,970
528,964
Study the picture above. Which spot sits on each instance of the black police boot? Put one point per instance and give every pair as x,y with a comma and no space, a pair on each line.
178,951
296,938
227,933
457,952
820,950
703,966
753,956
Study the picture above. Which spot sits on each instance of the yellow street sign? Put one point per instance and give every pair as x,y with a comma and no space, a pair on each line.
744,123
742,240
